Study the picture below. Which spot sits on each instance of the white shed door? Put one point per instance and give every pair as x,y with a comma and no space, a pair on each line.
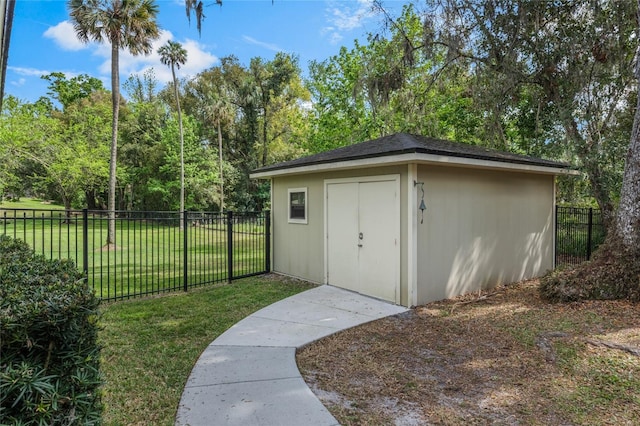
363,233
342,235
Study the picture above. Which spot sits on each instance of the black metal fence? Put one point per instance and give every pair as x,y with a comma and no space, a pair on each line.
152,253
579,231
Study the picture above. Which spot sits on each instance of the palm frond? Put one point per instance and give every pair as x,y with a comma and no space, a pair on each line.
130,24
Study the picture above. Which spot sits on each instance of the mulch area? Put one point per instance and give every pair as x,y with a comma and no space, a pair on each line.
503,357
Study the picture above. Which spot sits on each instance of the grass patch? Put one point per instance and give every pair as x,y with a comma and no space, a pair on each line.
149,255
30,203
151,345
604,382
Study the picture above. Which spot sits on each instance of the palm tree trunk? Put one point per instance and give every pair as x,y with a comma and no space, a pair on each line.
221,172
175,91
264,138
115,100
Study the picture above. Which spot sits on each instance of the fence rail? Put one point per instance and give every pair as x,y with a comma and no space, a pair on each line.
579,232
152,253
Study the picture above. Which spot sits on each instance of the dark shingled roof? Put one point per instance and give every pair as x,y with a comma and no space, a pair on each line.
404,143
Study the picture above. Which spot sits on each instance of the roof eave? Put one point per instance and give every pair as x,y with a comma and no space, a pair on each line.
418,158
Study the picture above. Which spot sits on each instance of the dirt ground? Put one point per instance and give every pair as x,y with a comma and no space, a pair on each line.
503,357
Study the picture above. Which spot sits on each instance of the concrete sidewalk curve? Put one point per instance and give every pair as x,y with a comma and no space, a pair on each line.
249,376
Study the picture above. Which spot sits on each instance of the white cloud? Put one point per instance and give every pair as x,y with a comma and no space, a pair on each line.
34,72
64,36
30,72
198,59
346,16
349,18
268,46
332,34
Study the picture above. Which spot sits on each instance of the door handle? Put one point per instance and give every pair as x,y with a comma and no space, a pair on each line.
360,237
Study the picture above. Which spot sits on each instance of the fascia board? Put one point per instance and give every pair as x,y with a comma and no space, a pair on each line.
417,158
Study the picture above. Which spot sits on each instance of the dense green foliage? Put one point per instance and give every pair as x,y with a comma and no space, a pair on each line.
49,369
392,84
548,79
553,78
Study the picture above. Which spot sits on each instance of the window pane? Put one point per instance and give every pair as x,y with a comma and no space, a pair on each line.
296,205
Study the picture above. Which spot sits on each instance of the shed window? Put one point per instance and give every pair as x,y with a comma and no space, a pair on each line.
298,205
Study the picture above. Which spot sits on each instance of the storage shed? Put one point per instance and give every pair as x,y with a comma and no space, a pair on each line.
411,219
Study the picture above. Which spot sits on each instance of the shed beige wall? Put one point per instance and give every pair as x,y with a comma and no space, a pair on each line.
298,249
482,228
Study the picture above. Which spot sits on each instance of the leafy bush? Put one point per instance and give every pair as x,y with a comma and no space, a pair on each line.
49,366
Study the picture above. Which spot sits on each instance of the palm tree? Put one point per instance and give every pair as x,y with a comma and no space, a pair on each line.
125,24
221,111
174,55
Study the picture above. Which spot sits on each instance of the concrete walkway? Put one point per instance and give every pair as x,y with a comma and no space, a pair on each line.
249,376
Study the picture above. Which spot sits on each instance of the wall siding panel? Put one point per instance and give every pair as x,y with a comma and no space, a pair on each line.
482,228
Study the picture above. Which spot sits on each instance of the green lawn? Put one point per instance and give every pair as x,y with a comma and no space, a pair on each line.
30,203
148,257
151,345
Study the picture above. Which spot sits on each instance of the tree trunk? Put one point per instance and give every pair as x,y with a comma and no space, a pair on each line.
221,171
614,271
265,147
115,99
67,208
175,91
628,217
90,196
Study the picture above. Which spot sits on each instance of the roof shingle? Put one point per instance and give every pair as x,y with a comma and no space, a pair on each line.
404,143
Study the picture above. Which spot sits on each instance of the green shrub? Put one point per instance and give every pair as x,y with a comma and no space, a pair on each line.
49,368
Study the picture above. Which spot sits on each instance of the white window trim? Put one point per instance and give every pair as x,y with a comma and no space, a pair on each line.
306,205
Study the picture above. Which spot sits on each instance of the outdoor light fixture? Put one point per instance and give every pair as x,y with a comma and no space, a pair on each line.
422,206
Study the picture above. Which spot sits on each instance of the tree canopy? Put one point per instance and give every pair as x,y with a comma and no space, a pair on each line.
549,76
549,79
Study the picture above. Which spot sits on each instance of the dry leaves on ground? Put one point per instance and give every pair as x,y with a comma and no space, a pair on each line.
504,357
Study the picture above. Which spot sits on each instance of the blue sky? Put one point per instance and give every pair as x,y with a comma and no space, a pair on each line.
43,39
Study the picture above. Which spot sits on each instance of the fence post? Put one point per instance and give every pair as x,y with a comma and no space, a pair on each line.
229,246
185,250
589,233
267,241
85,243
555,237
